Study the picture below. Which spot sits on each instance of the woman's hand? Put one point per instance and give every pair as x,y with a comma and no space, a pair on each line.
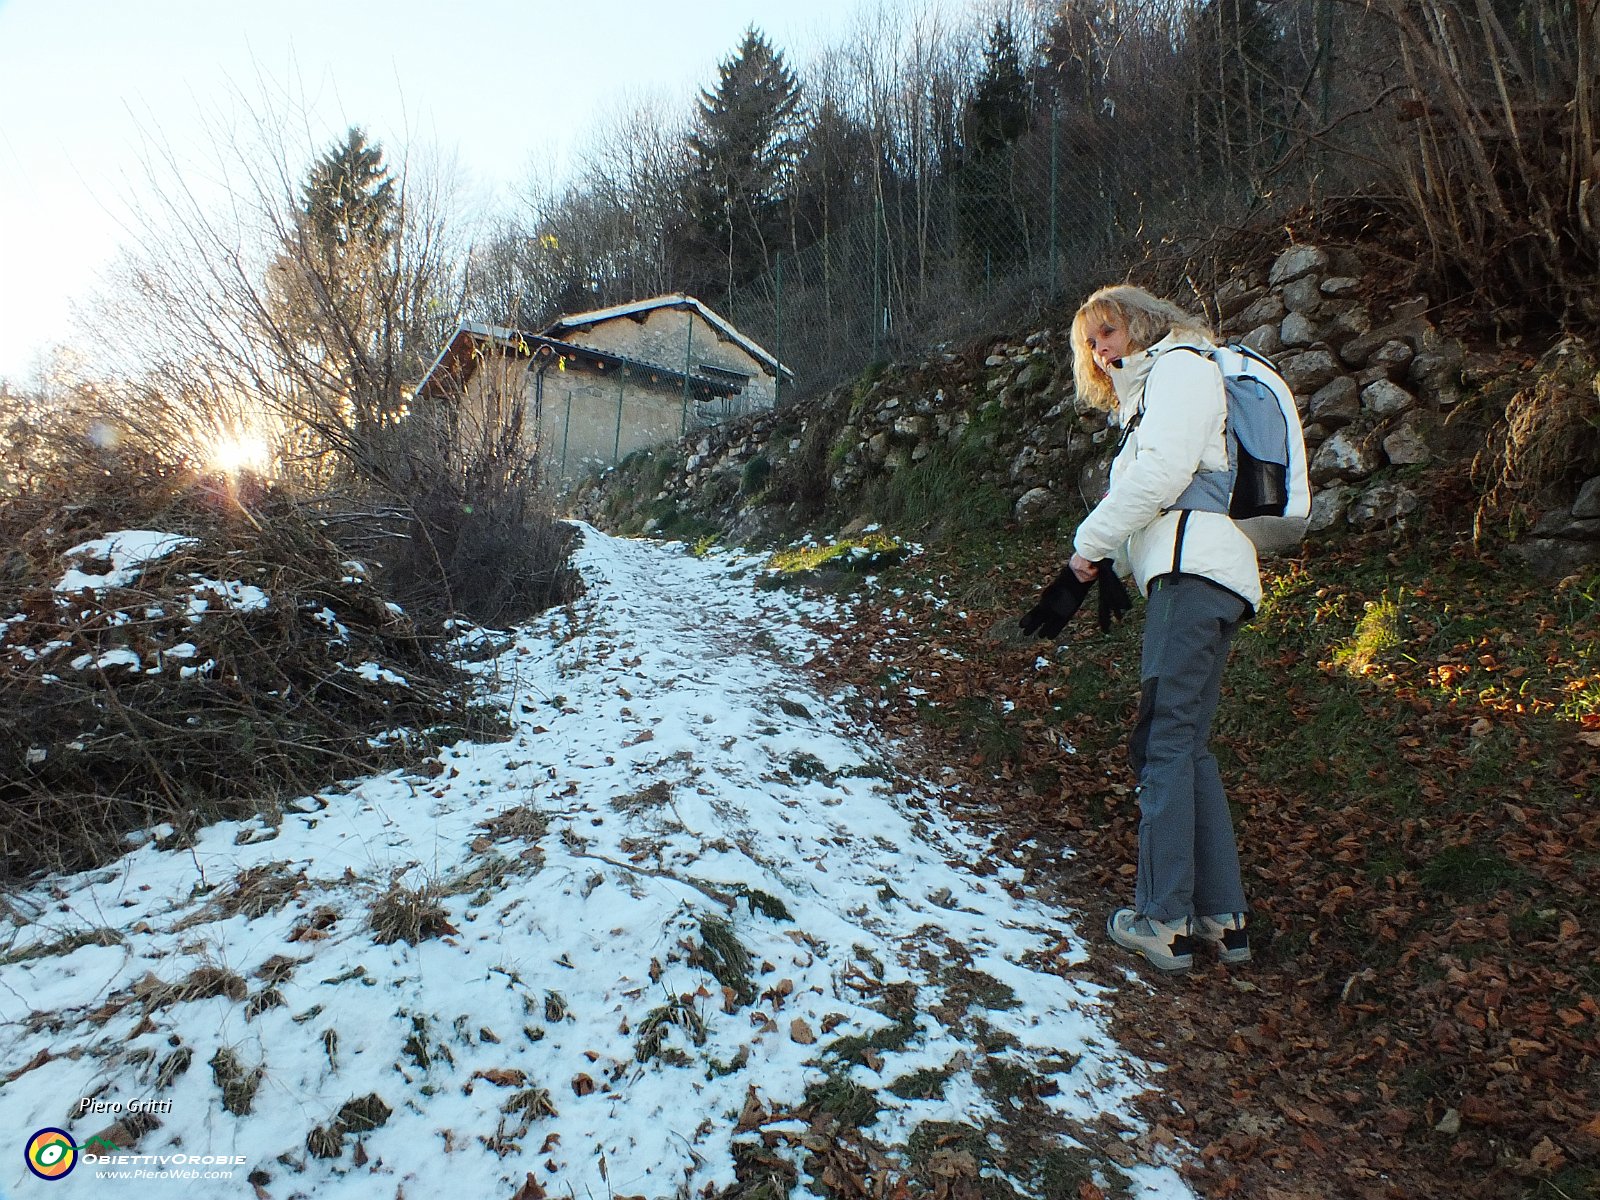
1082,568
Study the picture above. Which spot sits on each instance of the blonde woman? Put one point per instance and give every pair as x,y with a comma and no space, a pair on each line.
1146,359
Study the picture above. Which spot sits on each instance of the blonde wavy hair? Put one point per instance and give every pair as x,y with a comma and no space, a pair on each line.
1146,317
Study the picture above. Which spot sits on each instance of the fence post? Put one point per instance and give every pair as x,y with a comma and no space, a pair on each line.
777,351
616,448
1055,273
688,350
877,272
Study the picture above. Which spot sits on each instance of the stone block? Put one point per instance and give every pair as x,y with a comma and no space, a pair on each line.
1343,456
1295,262
1588,503
1270,309
1235,296
1553,558
1336,404
1297,330
1023,462
1309,370
1405,446
1340,285
1264,339
1303,294
1036,504
1386,399
1034,376
1435,370
1329,505
1382,504
1392,355
912,426
1413,308
1344,326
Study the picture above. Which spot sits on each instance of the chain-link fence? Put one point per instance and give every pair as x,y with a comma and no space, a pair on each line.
1172,124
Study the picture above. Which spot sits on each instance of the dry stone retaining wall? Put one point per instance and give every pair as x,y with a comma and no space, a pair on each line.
1374,388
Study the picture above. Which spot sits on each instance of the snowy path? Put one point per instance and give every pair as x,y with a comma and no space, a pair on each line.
580,1015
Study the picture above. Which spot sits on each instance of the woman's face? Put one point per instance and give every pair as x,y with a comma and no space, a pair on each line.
1108,340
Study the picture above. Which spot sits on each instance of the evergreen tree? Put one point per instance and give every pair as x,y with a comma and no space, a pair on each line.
1236,94
832,178
348,199
336,287
1072,70
1000,106
744,147
989,222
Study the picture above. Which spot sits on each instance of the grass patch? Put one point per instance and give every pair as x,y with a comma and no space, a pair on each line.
945,492
524,823
845,1101
1377,631
753,478
1469,873
869,552
721,953
899,1004
238,1085
764,903
658,1025
926,1084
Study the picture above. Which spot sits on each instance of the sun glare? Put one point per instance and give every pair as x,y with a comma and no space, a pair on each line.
241,454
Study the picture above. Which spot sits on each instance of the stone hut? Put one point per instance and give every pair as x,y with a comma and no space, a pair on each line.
599,385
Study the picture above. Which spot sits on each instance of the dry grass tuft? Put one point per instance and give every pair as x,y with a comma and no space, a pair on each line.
1549,438
202,983
524,822
238,1085
410,915
646,799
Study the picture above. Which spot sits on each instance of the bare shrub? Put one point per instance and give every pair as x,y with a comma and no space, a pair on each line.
215,681
1491,145
303,315
480,539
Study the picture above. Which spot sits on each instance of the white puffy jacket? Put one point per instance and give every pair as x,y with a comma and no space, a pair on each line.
1181,432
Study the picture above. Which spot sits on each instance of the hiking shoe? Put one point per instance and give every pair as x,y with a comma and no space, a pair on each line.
1166,945
1227,933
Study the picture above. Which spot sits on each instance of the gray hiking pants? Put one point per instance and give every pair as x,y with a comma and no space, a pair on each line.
1188,859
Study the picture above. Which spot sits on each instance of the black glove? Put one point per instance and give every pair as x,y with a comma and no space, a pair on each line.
1114,598
1056,605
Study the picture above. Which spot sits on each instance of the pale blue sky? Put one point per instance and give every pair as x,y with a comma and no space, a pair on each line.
499,83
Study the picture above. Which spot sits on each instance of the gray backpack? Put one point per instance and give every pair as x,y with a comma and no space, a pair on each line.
1265,489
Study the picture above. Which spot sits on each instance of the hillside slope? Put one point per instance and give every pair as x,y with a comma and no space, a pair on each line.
690,930
1411,726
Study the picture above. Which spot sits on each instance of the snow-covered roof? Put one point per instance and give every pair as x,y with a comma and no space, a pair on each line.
570,321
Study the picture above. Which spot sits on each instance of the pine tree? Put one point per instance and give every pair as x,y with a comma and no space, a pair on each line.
335,285
1072,70
989,223
1000,106
1237,90
348,202
744,147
